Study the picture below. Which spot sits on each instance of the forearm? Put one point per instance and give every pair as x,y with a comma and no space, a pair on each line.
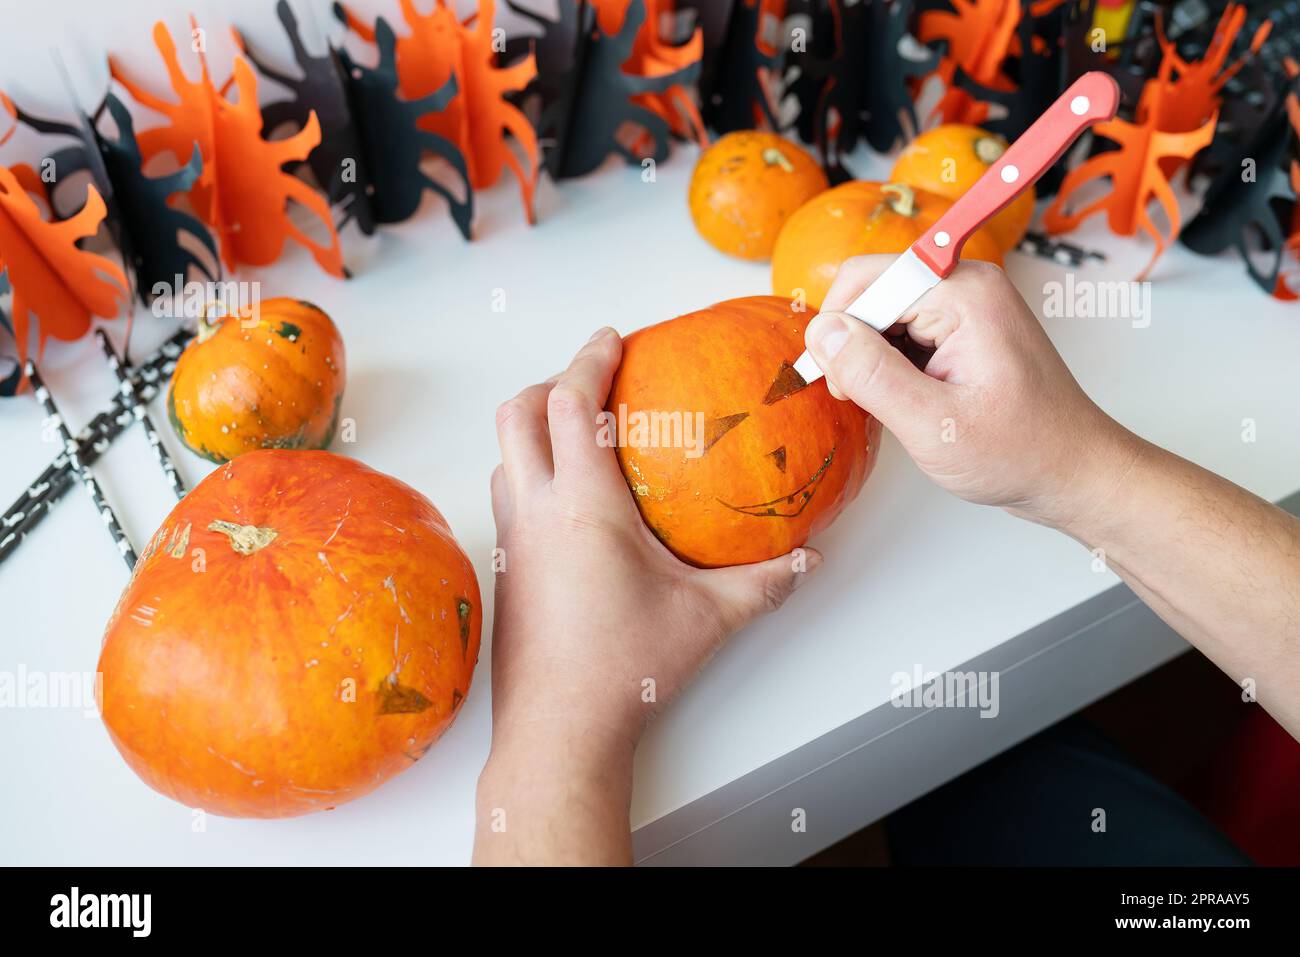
544,800
1218,564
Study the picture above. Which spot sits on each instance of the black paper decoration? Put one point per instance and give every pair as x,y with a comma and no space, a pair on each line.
586,98
336,162
393,145
860,92
733,94
1136,58
1250,99
369,159
146,228
1252,217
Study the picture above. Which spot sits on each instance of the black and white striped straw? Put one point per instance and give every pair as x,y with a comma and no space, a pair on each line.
35,501
83,471
138,409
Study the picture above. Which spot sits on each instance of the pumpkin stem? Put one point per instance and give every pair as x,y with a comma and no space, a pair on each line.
206,329
774,157
989,149
900,198
245,539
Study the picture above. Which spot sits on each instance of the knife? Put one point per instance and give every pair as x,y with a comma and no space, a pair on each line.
1090,99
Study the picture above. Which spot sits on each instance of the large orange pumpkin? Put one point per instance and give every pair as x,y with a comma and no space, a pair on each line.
855,219
763,462
266,377
300,629
744,188
947,161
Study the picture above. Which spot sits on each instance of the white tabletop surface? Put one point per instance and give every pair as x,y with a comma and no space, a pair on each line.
912,577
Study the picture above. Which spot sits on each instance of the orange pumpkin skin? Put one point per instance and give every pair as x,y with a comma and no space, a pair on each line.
254,674
744,188
272,379
855,219
770,464
947,161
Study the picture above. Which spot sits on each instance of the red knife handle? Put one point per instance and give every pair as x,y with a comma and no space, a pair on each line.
1090,99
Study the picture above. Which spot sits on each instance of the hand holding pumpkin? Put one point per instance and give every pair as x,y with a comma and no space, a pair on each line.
996,418
597,625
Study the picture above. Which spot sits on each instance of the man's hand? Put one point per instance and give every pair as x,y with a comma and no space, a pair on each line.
997,418
596,626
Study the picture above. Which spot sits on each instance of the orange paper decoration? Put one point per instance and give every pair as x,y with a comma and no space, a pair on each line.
979,34
1192,88
7,105
53,279
243,193
478,118
1176,116
653,56
1136,175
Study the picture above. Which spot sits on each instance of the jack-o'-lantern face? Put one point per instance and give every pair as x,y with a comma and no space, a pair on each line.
731,457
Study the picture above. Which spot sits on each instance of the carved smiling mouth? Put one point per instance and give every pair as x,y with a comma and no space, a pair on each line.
791,505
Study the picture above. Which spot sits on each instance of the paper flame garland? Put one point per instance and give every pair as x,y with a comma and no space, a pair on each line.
243,191
1199,102
439,50
1176,118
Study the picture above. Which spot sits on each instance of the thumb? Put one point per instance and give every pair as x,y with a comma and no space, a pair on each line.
863,366
746,592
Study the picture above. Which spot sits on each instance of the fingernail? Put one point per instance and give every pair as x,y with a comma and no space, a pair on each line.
827,334
600,333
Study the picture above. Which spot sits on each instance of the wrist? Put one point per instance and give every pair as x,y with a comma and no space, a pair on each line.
527,750
1092,493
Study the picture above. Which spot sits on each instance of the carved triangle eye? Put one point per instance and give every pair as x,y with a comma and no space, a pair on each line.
715,429
787,382
778,456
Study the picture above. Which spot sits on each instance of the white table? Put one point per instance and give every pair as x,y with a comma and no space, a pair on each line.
788,716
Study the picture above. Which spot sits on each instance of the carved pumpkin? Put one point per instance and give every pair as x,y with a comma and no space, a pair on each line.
761,462
300,629
744,188
269,377
855,219
947,161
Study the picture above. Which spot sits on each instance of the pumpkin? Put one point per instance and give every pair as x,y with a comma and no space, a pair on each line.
744,188
854,219
730,457
300,629
267,377
947,161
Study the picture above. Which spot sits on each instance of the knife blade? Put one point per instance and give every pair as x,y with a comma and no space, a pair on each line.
1092,98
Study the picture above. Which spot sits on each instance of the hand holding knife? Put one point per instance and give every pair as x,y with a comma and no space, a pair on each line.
1090,99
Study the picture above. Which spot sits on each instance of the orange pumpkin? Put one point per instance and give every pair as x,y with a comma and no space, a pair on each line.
763,462
854,219
300,629
267,377
744,188
947,161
